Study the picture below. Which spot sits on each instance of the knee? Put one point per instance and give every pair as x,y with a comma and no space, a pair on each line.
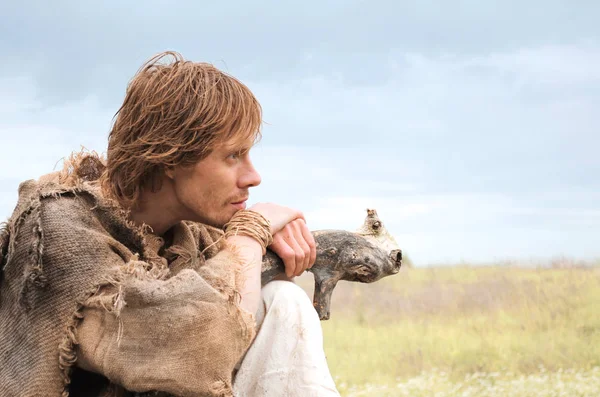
285,296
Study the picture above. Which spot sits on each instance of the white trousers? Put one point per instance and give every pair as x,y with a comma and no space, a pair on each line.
286,358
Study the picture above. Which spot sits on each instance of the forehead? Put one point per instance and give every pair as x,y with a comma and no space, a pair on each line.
242,144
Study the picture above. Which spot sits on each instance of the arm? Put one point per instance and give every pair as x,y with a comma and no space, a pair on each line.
250,252
184,334
292,241
178,335
171,333
222,252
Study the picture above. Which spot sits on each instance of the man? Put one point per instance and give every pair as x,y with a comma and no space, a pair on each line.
141,272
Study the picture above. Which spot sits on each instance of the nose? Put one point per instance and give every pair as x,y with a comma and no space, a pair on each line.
250,177
396,257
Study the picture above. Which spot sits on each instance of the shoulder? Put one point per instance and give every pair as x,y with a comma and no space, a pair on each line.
54,200
70,193
70,221
58,208
45,212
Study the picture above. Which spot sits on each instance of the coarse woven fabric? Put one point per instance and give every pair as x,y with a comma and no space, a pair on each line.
158,316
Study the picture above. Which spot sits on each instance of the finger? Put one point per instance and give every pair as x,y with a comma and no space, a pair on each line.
288,237
293,239
310,240
293,214
300,236
300,215
281,247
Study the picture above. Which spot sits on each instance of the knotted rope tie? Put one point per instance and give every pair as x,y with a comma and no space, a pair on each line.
252,224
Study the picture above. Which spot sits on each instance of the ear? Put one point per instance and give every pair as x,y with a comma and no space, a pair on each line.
331,251
170,172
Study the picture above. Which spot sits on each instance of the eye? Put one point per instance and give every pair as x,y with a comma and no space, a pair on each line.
233,156
238,154
362,270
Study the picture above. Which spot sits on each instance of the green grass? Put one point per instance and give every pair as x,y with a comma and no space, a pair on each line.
444,325
569,383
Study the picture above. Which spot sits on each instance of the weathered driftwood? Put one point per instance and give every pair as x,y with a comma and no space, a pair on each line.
342,255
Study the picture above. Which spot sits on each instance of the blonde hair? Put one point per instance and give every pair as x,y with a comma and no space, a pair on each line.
174,114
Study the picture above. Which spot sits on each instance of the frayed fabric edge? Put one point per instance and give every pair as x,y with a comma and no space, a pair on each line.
4,240
34,275
221,389
67,349
112,302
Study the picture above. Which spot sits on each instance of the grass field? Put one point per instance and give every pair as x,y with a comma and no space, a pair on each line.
467,331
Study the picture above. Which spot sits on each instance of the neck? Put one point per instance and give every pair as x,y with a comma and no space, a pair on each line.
157,210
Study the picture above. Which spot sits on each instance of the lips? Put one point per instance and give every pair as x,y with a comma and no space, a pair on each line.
240,204
242,200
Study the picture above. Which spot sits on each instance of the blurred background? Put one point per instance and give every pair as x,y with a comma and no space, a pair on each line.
472,128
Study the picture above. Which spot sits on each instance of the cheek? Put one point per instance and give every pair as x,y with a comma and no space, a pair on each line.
191,193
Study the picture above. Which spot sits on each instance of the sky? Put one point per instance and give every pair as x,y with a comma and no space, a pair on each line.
471,127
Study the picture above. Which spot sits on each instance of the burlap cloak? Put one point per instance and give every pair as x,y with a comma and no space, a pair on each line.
83,289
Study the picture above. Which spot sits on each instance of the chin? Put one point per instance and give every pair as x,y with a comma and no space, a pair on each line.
206,221
214,223
218,221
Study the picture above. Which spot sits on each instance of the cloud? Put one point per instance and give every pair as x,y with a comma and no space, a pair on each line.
72,49
472,129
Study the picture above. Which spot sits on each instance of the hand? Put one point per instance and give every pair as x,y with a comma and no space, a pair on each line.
279,216
296,245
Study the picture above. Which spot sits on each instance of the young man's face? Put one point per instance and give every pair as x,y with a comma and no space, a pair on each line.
215,188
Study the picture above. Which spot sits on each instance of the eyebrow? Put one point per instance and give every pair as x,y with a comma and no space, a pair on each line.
239,148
